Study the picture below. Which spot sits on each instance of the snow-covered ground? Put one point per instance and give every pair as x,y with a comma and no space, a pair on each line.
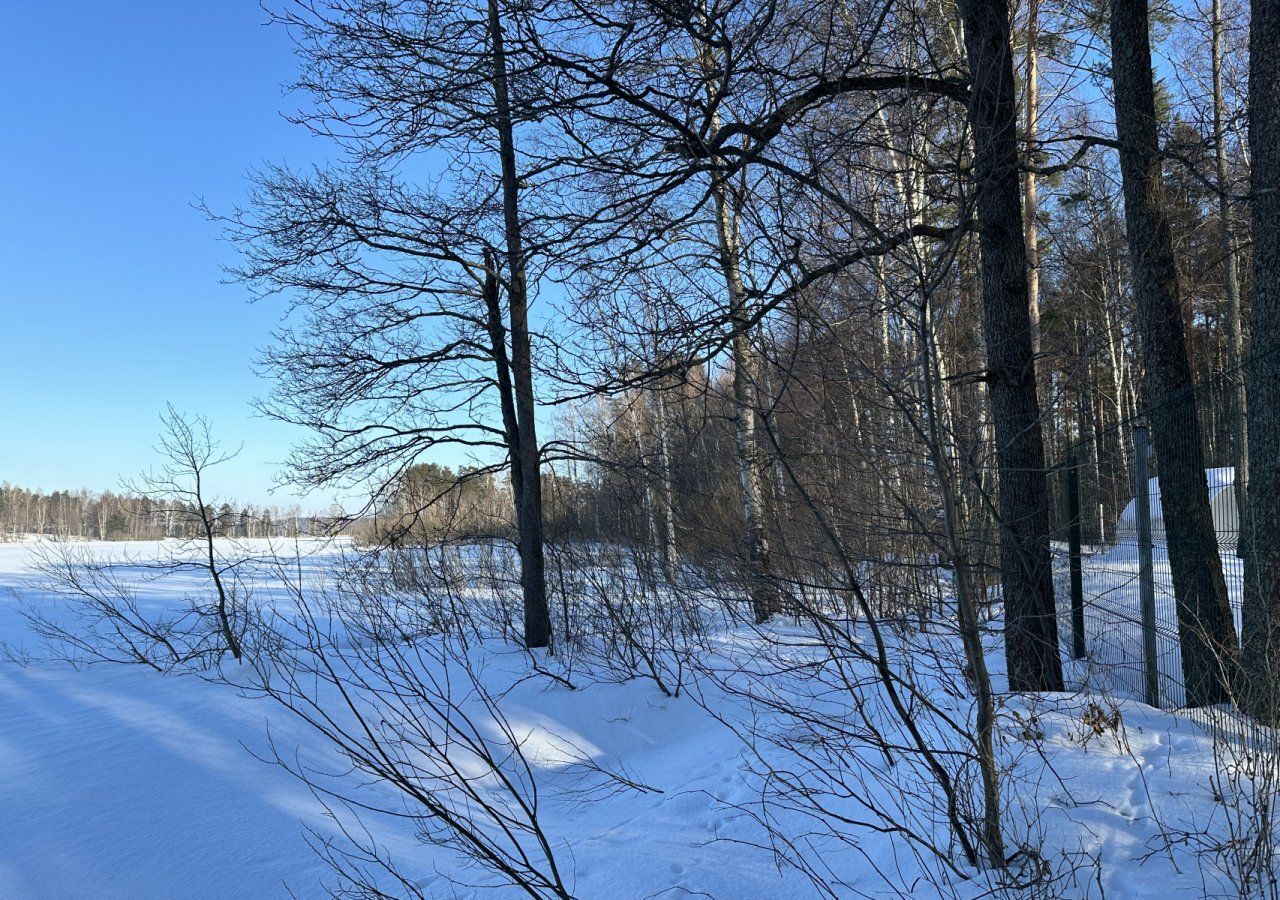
119,783
123,783
1113,617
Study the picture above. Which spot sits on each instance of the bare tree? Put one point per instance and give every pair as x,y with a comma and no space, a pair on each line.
401,311
190,450
107,620
525,453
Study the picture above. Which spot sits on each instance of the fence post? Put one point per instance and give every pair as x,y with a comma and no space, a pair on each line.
1146,569
1077,574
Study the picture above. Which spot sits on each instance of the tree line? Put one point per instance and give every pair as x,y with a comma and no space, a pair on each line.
113,516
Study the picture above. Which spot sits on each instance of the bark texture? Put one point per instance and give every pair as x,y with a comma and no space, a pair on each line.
1262,549
1031,230
1031,629
1205,625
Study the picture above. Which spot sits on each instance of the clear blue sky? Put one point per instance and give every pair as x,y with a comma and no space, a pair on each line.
117,117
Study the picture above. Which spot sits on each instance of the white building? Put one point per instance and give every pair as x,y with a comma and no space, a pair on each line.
1222,501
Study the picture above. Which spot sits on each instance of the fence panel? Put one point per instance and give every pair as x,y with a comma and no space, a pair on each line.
1112,560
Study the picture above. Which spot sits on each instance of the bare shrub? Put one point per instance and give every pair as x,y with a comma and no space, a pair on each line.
416,735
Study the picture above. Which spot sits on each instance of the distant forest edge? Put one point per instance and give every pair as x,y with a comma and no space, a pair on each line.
111,516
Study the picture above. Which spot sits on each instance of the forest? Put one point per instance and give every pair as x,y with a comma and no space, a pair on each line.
768,419
113,516
792,289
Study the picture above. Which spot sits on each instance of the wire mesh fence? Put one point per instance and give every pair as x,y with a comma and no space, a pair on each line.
1117,542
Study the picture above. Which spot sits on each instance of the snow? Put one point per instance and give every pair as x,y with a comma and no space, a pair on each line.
1113,617
123,783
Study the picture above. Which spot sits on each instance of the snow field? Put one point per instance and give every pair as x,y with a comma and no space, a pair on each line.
121,783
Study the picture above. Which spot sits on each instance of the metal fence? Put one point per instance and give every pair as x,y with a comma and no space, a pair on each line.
1116,602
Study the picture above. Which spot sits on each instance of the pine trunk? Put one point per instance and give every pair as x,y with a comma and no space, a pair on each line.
1031,628
1205,626
1262,549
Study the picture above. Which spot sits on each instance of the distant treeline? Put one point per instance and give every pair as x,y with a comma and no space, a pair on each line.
110,516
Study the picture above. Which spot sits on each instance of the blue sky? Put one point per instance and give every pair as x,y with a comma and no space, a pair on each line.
117,118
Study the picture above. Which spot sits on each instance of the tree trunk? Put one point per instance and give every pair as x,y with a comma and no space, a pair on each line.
1230,282
1262,549
533,584
746,378
1205,626
1031,228
1031,627
955,522
668,546
1090,493
745,384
